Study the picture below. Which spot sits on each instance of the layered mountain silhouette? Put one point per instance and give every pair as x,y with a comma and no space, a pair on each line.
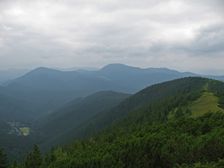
85,117
56,127
191,108
46,89
112,123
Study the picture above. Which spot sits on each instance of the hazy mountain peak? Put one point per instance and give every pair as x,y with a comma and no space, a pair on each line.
43,69
117,66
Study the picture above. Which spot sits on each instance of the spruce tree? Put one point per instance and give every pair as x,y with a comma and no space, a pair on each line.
34,158
3,159
14,165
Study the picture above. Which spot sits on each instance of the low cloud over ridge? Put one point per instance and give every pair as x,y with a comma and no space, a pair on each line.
185,35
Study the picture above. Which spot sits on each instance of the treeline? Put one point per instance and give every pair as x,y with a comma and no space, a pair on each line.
149,105
217,88
182,143
3,159
145,137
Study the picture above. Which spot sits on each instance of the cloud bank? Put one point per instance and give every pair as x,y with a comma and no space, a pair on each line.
185,35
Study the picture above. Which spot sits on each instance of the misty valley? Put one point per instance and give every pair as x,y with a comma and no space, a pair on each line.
117,116
111,84
19,129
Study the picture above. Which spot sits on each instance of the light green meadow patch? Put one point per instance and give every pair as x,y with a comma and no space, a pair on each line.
208,102
25,131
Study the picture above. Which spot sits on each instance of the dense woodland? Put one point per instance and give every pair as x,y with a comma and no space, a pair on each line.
183,142
140,132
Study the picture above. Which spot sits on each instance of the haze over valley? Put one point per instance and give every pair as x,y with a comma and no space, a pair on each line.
111,84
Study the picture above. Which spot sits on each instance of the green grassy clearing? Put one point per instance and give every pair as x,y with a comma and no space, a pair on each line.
208,102
25,131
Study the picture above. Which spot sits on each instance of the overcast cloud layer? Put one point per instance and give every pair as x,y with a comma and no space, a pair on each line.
187,35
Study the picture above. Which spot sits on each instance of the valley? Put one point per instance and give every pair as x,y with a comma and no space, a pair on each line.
139,131
111,84
110,127
19,129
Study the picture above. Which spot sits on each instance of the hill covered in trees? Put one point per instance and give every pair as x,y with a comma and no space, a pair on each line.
174,124
56,128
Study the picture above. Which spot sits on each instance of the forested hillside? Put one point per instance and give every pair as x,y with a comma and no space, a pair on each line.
151,104
183,142
111,84
18,135
157,127
56,128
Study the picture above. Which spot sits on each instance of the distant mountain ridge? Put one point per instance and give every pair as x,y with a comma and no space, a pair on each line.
48,89
41,78
8,75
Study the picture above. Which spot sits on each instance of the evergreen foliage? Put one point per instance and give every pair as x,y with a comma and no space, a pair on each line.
3,159
138,133
182,142
34,158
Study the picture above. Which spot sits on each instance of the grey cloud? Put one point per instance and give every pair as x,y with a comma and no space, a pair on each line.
72,33
209,42
211,39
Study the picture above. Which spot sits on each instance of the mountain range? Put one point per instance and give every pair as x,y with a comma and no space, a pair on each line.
179,122
45,90
57,107
112,127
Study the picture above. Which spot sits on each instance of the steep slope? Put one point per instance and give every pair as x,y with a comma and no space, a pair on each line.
7,75
56,126
188,88
140,133
13,109
48,89
151,104
156,103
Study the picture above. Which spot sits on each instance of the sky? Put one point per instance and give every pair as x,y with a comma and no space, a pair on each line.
187,35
